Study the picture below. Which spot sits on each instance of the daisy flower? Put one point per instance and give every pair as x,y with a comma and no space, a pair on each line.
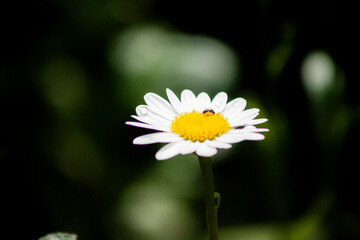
195,124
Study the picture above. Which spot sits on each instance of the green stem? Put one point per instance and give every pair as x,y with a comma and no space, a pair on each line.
210,195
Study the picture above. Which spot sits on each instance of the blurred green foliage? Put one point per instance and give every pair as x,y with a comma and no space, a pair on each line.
74,72
59,236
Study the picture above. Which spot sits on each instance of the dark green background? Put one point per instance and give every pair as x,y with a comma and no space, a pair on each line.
67,157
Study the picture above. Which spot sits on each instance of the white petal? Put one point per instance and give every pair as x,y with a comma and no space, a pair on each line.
188,147
175,102
160,106
169,150
255,129
243,117
248,129
218,144
161,137
147,115
204,150
242,114
148,126
188,100
238,135
254,136
219,102
203,102
256,121
235,106
231,138
152,122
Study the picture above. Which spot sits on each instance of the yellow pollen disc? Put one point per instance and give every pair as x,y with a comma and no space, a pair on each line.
197,126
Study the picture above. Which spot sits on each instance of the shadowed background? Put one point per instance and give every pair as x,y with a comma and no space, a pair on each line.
74,71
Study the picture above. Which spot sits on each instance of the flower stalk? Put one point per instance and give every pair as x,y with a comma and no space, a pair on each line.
212,199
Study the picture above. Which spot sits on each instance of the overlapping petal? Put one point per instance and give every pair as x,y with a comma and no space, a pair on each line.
239,135
148,126
189,147
147,115
256,121
204,150
231,138
217,144
160,106
169,150
235,106
159,137
248,128
175,102
241,118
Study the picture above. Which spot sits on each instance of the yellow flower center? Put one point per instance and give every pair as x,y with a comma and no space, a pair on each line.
197,126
